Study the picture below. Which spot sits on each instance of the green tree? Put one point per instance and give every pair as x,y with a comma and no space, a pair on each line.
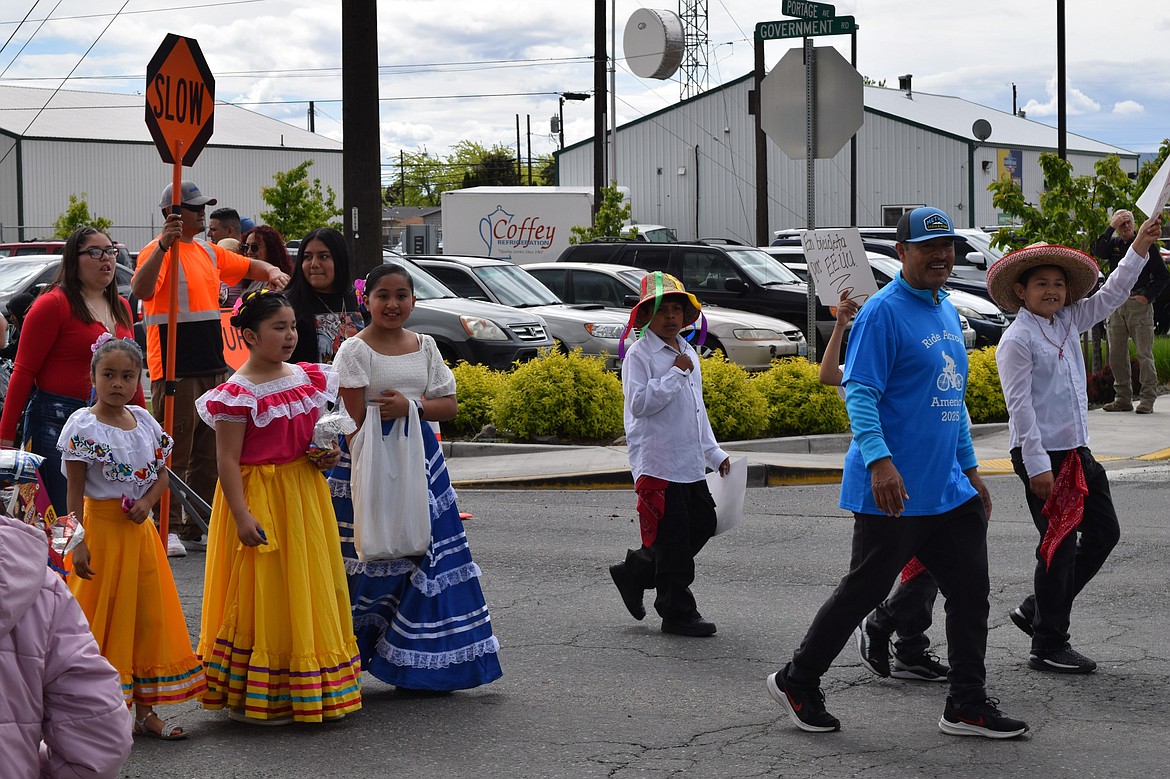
298,205
77,215
496,168
612,215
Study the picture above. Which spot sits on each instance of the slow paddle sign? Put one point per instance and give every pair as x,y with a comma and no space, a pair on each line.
180,99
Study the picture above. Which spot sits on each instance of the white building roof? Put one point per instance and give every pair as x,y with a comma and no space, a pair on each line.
105,116
954,116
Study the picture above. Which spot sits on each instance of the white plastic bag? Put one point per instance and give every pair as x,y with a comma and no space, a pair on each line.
391,504
728,493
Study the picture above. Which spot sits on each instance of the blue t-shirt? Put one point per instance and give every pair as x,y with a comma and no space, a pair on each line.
906,353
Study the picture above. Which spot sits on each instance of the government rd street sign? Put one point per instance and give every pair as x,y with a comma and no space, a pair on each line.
807,10
180,98
805,28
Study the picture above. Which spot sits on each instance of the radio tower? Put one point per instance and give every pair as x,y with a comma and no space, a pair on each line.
693,73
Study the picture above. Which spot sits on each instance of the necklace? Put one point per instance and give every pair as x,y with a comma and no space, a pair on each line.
106,321
1059,346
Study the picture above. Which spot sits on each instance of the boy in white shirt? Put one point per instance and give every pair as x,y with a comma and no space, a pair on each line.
1042,373
671,446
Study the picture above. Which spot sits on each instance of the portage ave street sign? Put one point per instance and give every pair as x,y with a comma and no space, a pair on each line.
805,28
180,98
807,10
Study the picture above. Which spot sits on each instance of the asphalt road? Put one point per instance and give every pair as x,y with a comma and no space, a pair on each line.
589,692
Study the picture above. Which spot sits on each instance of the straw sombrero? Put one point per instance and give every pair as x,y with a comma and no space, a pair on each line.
1080,269
656,286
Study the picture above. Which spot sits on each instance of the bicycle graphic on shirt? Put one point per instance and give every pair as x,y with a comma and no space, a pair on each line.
949,378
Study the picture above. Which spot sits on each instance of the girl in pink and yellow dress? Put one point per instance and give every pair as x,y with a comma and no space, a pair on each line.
277,638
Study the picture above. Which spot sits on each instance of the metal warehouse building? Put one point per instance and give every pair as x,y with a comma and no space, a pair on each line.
692,166
98,144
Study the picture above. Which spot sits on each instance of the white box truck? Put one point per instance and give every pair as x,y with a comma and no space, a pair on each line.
521,224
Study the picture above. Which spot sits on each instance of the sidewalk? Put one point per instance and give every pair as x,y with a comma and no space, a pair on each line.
1114,438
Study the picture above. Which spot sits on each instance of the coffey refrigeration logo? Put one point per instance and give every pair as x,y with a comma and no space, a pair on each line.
505,234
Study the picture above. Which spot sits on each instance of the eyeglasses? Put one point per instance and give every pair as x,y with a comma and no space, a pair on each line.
96,252
251,247
196,209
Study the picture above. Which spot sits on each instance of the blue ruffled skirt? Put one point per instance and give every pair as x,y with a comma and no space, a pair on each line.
421,622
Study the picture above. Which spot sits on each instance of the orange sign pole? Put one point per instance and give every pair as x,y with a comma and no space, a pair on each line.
169,382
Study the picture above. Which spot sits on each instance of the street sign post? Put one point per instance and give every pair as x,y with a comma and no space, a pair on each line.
804,9
180,104
805,28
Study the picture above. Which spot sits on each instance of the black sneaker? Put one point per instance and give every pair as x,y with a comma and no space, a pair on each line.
695,627
631,593
806,708
979,719
1062,661
874,647
924,668
1021,620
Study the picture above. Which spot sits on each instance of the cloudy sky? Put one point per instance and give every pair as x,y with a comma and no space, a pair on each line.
452,70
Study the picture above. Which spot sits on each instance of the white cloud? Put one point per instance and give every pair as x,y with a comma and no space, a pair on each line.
1128,108
1077,102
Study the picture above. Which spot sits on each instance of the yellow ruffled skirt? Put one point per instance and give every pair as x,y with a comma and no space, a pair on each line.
277,637
133,608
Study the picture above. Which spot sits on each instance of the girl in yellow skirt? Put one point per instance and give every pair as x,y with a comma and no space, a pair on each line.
113,456
277,640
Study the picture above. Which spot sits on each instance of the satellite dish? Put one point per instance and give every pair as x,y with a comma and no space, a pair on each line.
653,43
981,129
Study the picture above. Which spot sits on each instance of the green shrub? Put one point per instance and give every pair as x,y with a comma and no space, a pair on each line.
798,404
560,394
736,408
985,401
477,388
1162,358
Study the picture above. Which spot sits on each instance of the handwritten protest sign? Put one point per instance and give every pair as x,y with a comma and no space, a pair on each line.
1157,192
837,263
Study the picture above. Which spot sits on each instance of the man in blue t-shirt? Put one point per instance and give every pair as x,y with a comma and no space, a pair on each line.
912,482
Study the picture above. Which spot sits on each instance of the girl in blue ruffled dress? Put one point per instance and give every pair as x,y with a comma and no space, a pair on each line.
421,622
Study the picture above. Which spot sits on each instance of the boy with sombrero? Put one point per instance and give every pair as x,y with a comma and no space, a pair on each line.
671,447
1042,373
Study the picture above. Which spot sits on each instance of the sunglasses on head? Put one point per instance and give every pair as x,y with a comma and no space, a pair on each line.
196,209
97,252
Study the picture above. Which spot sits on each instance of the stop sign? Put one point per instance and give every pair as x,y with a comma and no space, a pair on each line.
180,98
839,103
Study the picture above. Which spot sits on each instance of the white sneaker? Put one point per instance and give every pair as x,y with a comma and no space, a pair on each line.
175,547
200,545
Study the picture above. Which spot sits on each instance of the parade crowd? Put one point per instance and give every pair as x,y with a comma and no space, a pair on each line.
288,451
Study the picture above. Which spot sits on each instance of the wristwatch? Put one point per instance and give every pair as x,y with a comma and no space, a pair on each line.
418,404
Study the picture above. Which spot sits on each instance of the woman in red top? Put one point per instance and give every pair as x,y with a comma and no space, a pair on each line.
52,360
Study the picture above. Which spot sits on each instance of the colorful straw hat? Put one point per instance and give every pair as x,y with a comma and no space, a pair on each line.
1080,268
655,287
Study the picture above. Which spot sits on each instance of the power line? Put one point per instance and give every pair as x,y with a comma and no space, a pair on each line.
16,29
200,6
27,42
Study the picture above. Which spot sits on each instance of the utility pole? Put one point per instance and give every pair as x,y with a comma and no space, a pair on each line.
599,92
312,117
362,158
528,118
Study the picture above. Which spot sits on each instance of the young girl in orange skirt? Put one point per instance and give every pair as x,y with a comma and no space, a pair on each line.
277,640
113,456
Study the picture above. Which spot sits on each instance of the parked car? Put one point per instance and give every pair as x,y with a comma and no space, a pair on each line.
473,330
590,327
960,298
32,274
739,277
750,340
650,233
32,248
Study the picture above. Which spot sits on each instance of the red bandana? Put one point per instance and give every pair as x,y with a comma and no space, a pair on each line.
651,505
1065,507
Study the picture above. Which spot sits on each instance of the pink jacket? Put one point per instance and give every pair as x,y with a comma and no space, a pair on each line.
54,684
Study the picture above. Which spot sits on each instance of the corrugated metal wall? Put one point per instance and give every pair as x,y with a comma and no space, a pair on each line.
692,168
123,182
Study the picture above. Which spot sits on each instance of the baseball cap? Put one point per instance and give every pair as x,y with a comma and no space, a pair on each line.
246,224
923,224
188,194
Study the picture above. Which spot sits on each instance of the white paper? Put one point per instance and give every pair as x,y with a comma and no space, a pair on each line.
728,492
1157,192
837,263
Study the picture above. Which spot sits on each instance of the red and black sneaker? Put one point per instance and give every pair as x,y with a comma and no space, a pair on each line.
979,719
805,707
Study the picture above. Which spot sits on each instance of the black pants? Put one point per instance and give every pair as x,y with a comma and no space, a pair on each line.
668,566
1077,559
953,547
908,612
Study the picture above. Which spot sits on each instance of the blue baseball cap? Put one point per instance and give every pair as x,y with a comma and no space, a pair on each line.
923,224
